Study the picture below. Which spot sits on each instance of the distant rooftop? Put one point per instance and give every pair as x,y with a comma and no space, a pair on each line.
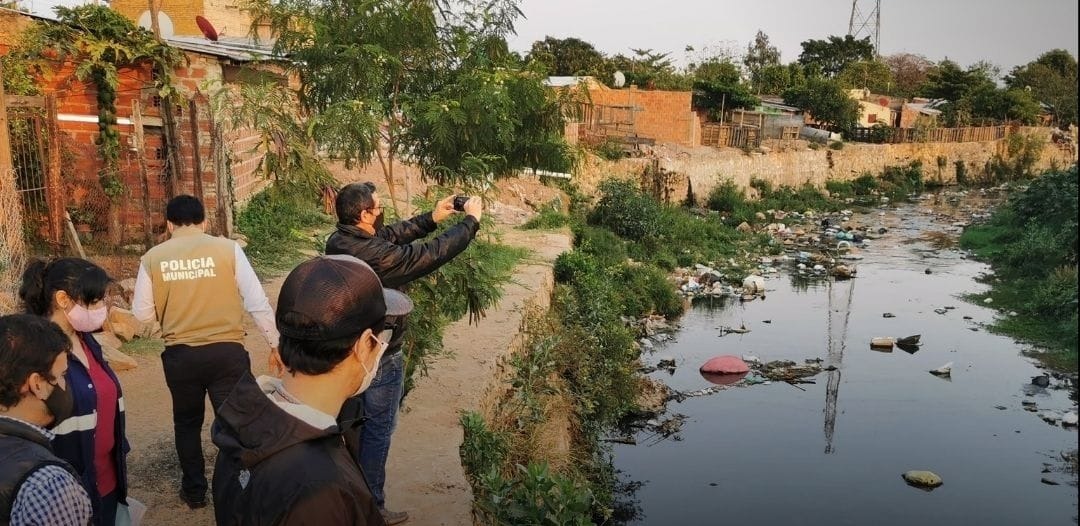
240,49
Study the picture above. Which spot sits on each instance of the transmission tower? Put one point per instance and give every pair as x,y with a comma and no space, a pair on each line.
866,23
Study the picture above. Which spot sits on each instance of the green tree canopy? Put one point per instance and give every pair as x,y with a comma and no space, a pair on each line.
829,57
947,80
827,103
872,74
760,54
1052,79
569,56
718,86
394,78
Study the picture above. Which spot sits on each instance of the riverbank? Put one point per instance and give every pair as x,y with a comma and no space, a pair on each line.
1030,242
776,453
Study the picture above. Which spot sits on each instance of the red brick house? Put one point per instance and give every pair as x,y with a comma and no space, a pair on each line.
215,162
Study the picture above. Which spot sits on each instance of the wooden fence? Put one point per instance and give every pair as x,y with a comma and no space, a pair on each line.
889,135
721,135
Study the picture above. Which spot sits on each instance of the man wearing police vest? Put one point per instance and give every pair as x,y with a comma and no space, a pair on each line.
198,287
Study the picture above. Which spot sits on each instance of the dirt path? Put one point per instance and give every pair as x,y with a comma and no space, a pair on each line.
424,473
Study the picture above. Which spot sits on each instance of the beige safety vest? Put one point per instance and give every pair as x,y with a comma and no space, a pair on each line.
195,293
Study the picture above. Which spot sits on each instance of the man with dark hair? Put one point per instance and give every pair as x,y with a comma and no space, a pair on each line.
282,459
36,486
390,251
198,287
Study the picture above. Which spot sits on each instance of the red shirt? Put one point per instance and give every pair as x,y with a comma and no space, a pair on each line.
105,432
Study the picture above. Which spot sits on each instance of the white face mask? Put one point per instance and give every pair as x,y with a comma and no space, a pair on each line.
83,319
369,374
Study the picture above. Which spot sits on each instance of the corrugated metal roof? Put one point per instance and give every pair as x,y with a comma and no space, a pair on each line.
238,49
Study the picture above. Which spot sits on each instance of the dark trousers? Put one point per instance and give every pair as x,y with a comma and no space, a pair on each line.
191,373
107,513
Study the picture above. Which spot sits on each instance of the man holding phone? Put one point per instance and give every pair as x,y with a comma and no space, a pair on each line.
391,251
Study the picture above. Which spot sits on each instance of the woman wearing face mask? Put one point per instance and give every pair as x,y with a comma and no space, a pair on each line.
71,293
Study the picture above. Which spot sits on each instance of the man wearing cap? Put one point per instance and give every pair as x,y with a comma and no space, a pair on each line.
198,287
392,253
283,459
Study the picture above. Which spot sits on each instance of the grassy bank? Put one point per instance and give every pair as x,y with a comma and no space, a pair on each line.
1031,244
578,375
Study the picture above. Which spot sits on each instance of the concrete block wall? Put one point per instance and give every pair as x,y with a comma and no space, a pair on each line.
707,168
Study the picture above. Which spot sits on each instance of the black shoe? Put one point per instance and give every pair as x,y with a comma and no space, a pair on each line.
193,502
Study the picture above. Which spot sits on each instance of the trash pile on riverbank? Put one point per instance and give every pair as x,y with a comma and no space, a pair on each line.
814,245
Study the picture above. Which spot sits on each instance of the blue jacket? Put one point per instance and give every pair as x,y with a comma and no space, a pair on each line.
74,441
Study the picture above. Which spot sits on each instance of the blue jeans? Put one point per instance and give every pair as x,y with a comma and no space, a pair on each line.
381,402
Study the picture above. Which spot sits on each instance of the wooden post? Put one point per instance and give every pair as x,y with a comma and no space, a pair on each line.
140,154
5,142
197,170
54,184
222,188
169,131
11,229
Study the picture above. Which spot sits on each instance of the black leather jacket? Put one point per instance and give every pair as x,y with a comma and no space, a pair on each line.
392,253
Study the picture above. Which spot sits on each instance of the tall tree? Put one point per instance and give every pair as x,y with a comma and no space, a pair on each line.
760,54
871,74
718,87
827,102
829,57
1052,79
568,56
909,72
388,78
947,80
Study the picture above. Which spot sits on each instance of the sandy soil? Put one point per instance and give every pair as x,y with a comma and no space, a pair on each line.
424,473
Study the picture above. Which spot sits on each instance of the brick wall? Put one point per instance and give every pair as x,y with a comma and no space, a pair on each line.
662,115
81,162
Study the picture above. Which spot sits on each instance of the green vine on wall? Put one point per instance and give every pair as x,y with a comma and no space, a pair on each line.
100,42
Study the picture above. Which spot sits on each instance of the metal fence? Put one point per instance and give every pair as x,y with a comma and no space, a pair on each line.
30,202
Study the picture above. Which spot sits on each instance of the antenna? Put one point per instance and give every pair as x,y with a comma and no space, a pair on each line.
866,23
207,28
620,79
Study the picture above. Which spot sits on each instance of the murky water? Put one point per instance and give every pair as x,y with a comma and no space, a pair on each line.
832,452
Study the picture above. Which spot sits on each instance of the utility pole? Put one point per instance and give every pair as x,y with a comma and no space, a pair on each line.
866,23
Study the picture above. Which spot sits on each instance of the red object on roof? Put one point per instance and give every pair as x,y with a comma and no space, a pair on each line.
725,364
883,101
206,27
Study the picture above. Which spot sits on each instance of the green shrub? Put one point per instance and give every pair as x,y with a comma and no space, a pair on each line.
610,149
646,290
547,219
961,173
626,211
836,145
483,451
840,188
865,184
277,222
726,197
1031,243
535,497
569,266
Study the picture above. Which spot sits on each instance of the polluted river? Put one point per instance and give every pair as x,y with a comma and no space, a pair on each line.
831,447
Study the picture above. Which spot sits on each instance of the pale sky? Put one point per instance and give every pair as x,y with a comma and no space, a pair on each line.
1005,32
